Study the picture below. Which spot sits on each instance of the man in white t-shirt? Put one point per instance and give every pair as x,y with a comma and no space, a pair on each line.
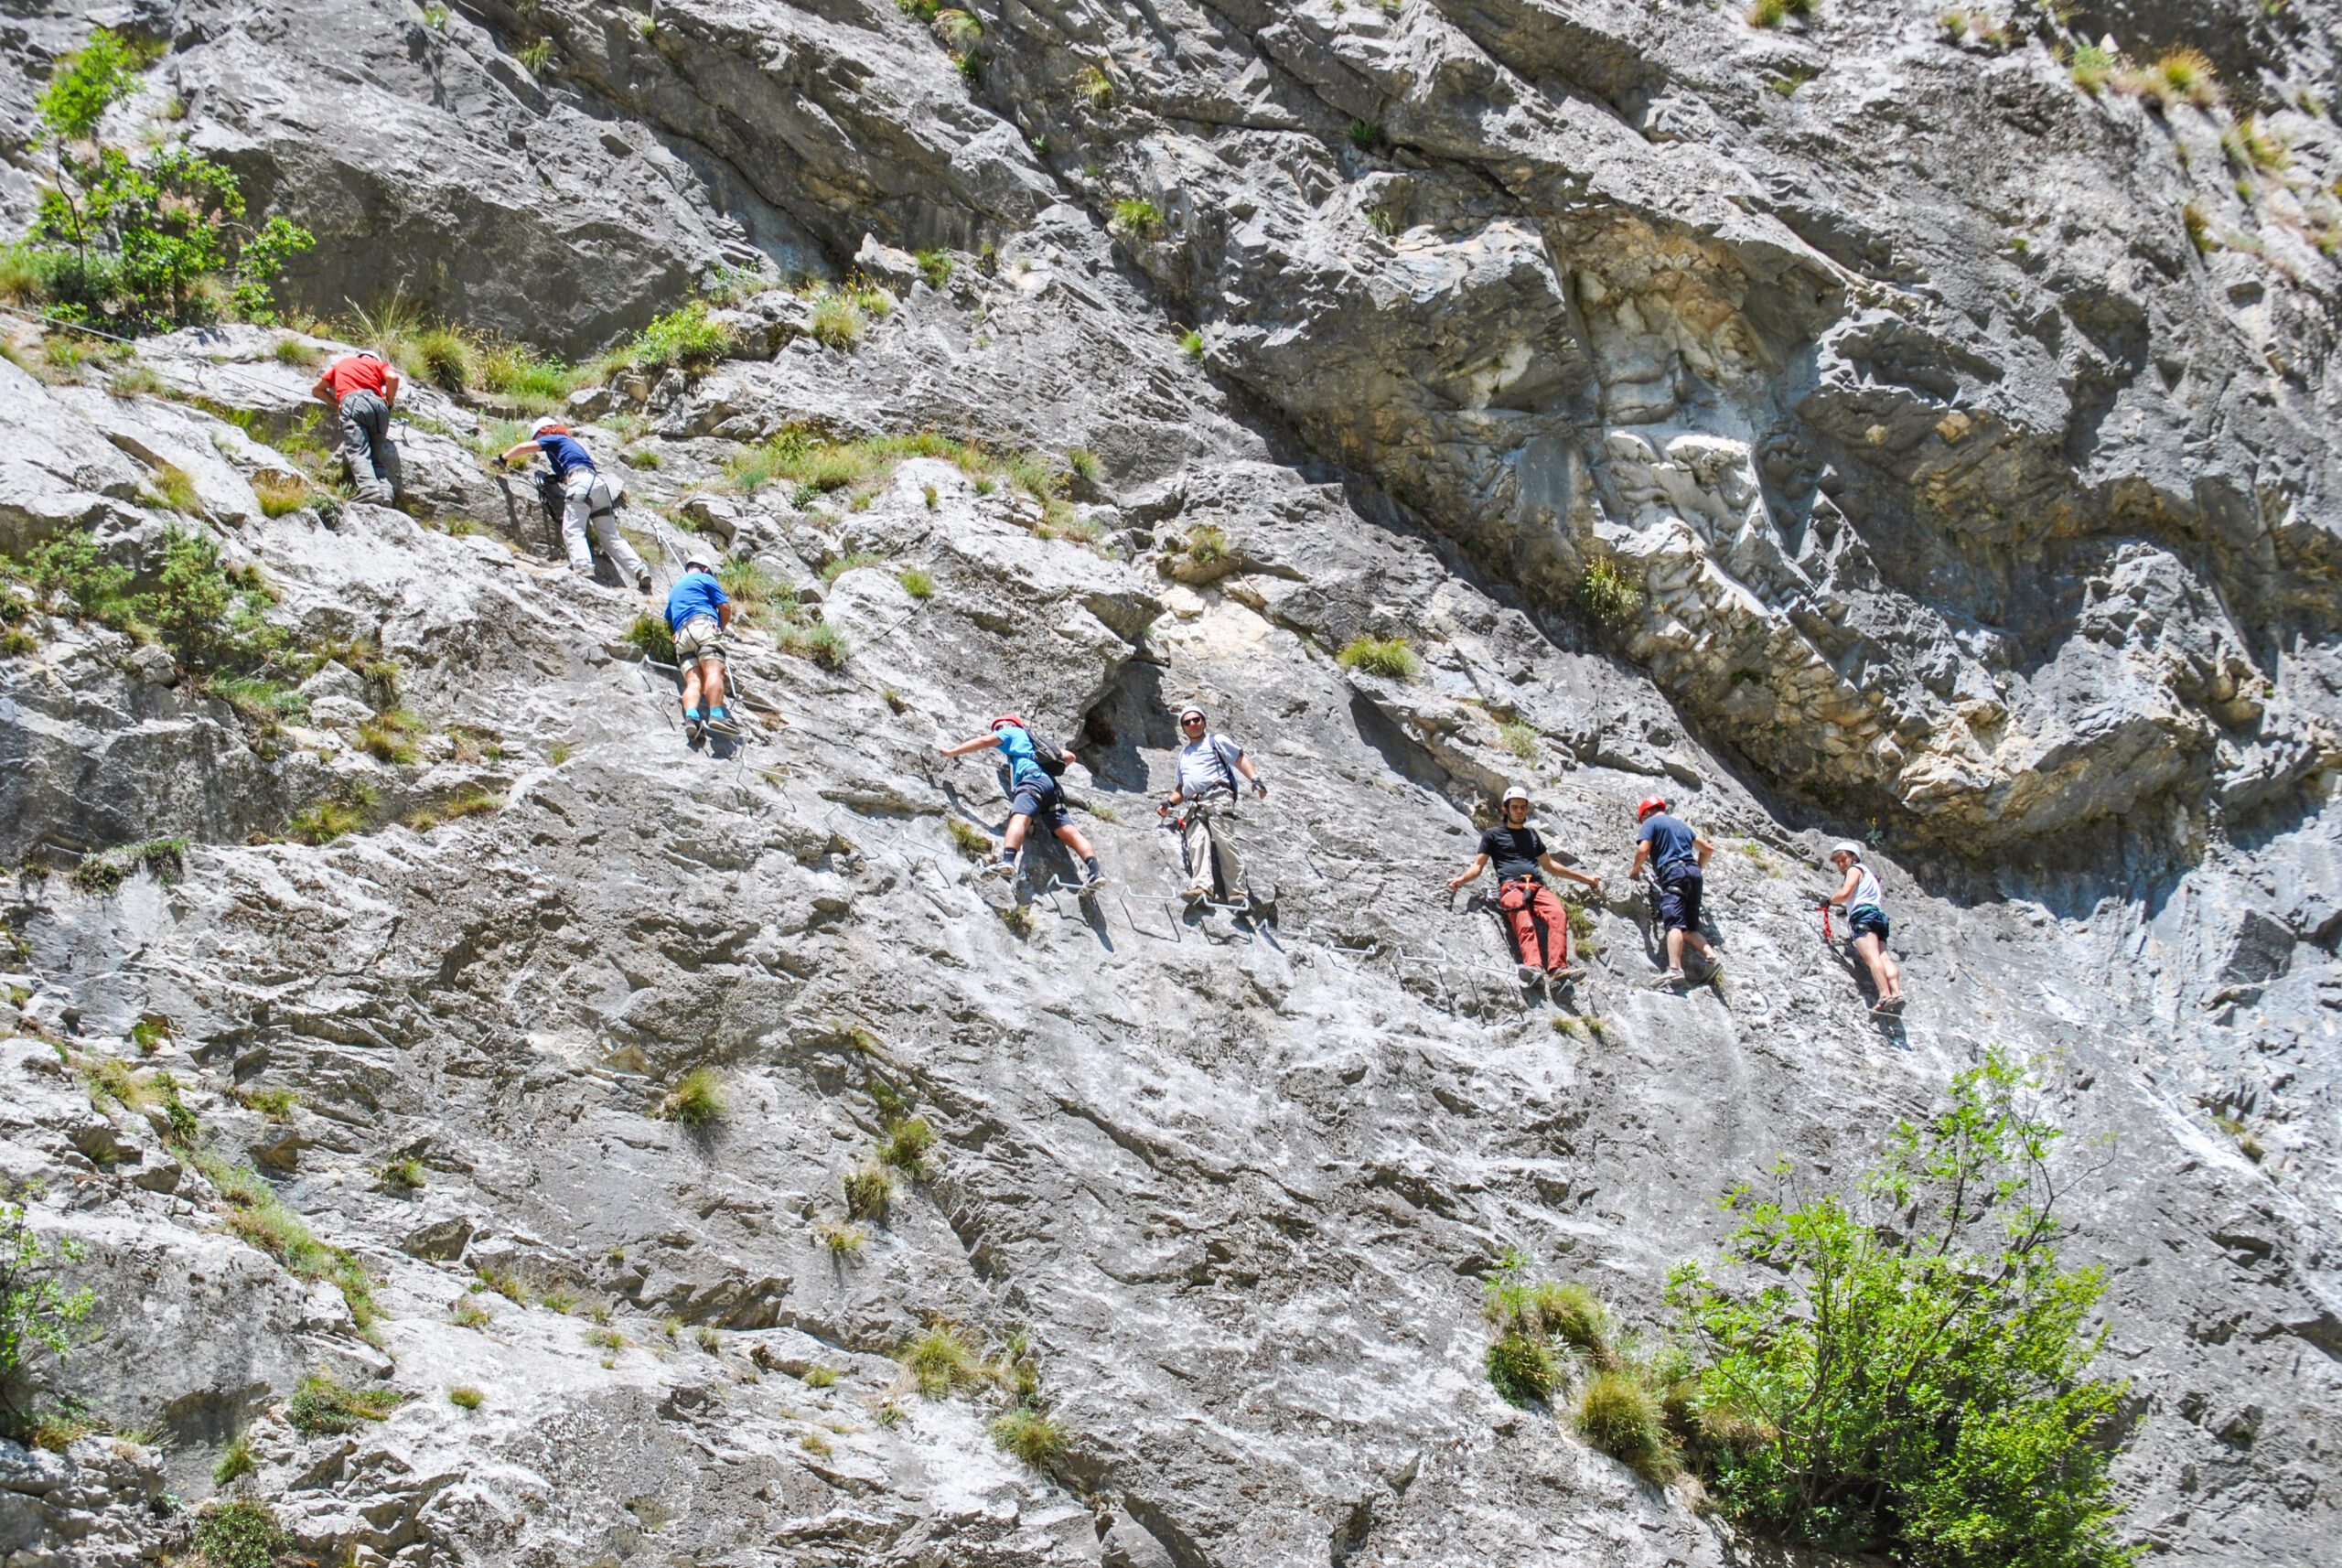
1210,767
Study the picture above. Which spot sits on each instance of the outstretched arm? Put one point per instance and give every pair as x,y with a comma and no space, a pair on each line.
1580,877
1642,853
391,384
973,743
519,453
322,389
1480,863
1702,849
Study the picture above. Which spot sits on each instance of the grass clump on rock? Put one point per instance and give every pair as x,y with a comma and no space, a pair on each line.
696,1100
1607,596
323,1407
869,1190
1386,656
942,1361
1031,1436
688,338
240,1534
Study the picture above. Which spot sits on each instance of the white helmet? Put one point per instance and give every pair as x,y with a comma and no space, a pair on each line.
1515,794
541,425
697,560
1846,846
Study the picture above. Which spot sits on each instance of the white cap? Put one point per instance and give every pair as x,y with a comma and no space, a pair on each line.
1515,794
1190,708
1846,846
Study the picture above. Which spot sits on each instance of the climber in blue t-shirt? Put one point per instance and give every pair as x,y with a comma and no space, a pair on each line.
698,613
1033,792
1677,857
589,501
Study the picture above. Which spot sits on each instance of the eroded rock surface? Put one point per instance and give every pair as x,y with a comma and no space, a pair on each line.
2014,557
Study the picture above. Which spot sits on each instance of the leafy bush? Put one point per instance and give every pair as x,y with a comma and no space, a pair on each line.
687,336
1907,1375
1387,656
1135,216
696,1100
240,1534
1607,595
146,244
36,1312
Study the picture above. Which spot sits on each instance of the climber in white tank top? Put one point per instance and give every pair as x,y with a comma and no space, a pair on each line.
1866,908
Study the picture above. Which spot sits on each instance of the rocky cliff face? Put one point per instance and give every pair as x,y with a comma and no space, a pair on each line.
1974,509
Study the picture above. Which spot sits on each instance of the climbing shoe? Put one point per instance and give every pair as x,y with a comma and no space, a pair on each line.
1672,977
1196,895
1005,866
1092,878
1527,973
721,723
1567,972
694,722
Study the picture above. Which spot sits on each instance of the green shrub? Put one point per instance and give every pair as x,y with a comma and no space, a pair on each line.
968,839
149,241
1135,216
1909,1373
101,874
336,816
851,561
1096,86
404,1174
821,643
841,1240
936,266
687,336
1366,133
1519,738
323,1407
240,1534
1521,1368
1084,464
36,1312
2092,66
1191,343
280,493
534,55
754,589
696,1100
917,583
1387,656
1607,596
435,16
1207,543
388,736
463,1396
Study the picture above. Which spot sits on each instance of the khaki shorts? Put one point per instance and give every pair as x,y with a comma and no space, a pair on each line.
700,638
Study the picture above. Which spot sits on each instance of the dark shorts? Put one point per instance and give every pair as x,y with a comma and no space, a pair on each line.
1679,900
1042,801
1867,920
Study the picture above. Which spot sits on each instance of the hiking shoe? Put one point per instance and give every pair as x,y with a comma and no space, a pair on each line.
1093,880
1196,895
1567,972
722,724
642,581
1527,973
1667,978
1711,968
692,730
1000,868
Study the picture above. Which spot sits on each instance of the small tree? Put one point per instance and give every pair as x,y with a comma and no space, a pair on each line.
1914,1382
36,1312
153,244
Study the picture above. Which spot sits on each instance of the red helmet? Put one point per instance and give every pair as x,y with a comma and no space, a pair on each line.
1648,804
1008,719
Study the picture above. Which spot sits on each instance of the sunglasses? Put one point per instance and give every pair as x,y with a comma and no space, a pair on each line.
1189,724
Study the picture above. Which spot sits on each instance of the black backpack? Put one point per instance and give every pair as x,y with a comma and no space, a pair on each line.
1046,752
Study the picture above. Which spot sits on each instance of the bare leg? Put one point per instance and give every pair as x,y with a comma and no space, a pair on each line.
1014,839
715,669
1885,974
1071,836
1675,948
691,688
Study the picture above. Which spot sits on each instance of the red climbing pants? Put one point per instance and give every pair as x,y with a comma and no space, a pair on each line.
1540,925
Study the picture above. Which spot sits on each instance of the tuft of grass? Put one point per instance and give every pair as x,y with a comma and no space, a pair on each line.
942,1362
403,1176
917,583
1519,738
839,322
906,1145
936,267
1191,343
1019,918
708,1340
235,1462
851,561
2179,75
172,487
1095,87
469,1313
820,643
869,1191
561,1299
2091,67
323,1407
149,1032
1135,216
535,55
388,736
2200,227
1084,464
1387,656
1768,13
1030,1435
336,816
102,874
506,1283
273,1104
652,634
1609,597
688,338
1522,1368
968,840
1207,543
606,1339
279,493
293,354
696,1100
445,358
1621,1417
463,1396
842,1239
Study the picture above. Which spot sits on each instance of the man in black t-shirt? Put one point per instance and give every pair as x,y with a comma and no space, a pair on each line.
1541,926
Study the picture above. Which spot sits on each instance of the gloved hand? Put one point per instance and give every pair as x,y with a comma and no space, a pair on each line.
1261,789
